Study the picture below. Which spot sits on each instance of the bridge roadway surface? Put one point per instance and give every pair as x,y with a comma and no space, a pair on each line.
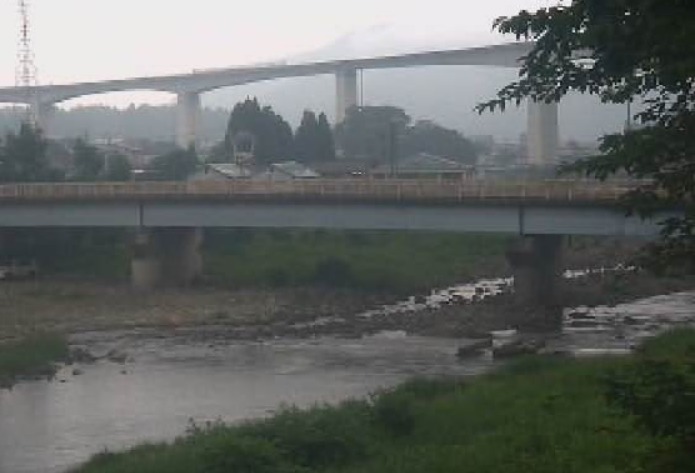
524,208
502,55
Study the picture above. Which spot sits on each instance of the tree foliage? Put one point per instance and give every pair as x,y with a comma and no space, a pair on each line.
273,135
176,165
366,131
23,156
313,140
326,143
370,132
118,168
623,51
425,136
88,161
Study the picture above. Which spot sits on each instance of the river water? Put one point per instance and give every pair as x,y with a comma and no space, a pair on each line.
155,384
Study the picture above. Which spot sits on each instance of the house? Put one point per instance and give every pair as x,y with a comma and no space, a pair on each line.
286,171
344,168
221,172
424,165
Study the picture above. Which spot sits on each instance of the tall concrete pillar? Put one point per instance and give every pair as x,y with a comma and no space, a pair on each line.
346,92
536,262
145,272
187,118
179,255
542,133
166,257
40,115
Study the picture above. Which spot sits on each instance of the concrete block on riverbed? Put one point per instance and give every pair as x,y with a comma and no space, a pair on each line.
473,348
518,346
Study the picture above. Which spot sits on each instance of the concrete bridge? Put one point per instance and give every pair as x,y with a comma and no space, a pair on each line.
542,118
167,216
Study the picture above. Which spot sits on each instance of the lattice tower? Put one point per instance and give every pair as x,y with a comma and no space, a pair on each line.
26,73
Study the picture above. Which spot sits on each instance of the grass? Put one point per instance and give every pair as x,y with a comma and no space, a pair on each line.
536,415
32,356
391,261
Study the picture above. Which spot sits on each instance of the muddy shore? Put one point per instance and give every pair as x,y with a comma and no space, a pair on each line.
72,307
78,306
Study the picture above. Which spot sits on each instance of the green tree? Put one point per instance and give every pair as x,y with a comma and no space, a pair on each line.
88,161
326,144
176,165
23,156
313,140
366,131
306,139
273,135
624,51
118,168
428,137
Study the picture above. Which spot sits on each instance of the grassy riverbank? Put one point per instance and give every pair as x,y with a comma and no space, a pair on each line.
32,356
536,415
392,261
382,261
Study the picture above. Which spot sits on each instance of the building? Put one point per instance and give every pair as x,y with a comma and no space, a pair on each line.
221,172
286,171
424,165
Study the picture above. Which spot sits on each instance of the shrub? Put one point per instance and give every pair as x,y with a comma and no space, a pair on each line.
320,437
225,452
333,272
395,410
277,277
659,387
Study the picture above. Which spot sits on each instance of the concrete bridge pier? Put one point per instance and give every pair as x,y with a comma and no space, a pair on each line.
166,257
542,132
346,92
40,115
187,118
536,265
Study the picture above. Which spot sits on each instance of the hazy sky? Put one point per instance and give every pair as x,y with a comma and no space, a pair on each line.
81,40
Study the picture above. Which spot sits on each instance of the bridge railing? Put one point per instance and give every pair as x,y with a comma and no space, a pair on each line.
317,189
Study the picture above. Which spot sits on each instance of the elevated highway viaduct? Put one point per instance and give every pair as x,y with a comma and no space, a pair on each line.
542,118
167,217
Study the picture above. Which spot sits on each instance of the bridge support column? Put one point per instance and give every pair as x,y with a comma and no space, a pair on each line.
40,116
536,264
166,257
187,119
346,92
542,133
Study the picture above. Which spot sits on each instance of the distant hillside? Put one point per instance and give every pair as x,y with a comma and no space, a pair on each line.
150,122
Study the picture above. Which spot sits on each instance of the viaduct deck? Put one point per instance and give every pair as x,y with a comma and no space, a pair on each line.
539,207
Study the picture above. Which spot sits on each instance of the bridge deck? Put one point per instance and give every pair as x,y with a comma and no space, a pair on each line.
318,190
541,207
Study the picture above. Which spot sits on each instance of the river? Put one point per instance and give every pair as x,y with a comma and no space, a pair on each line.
160,382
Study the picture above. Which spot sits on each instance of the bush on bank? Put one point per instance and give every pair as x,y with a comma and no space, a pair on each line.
32,356
535,415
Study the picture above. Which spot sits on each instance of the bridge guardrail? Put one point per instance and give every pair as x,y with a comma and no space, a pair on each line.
352,189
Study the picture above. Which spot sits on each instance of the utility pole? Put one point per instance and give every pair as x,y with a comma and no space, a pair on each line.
392,146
